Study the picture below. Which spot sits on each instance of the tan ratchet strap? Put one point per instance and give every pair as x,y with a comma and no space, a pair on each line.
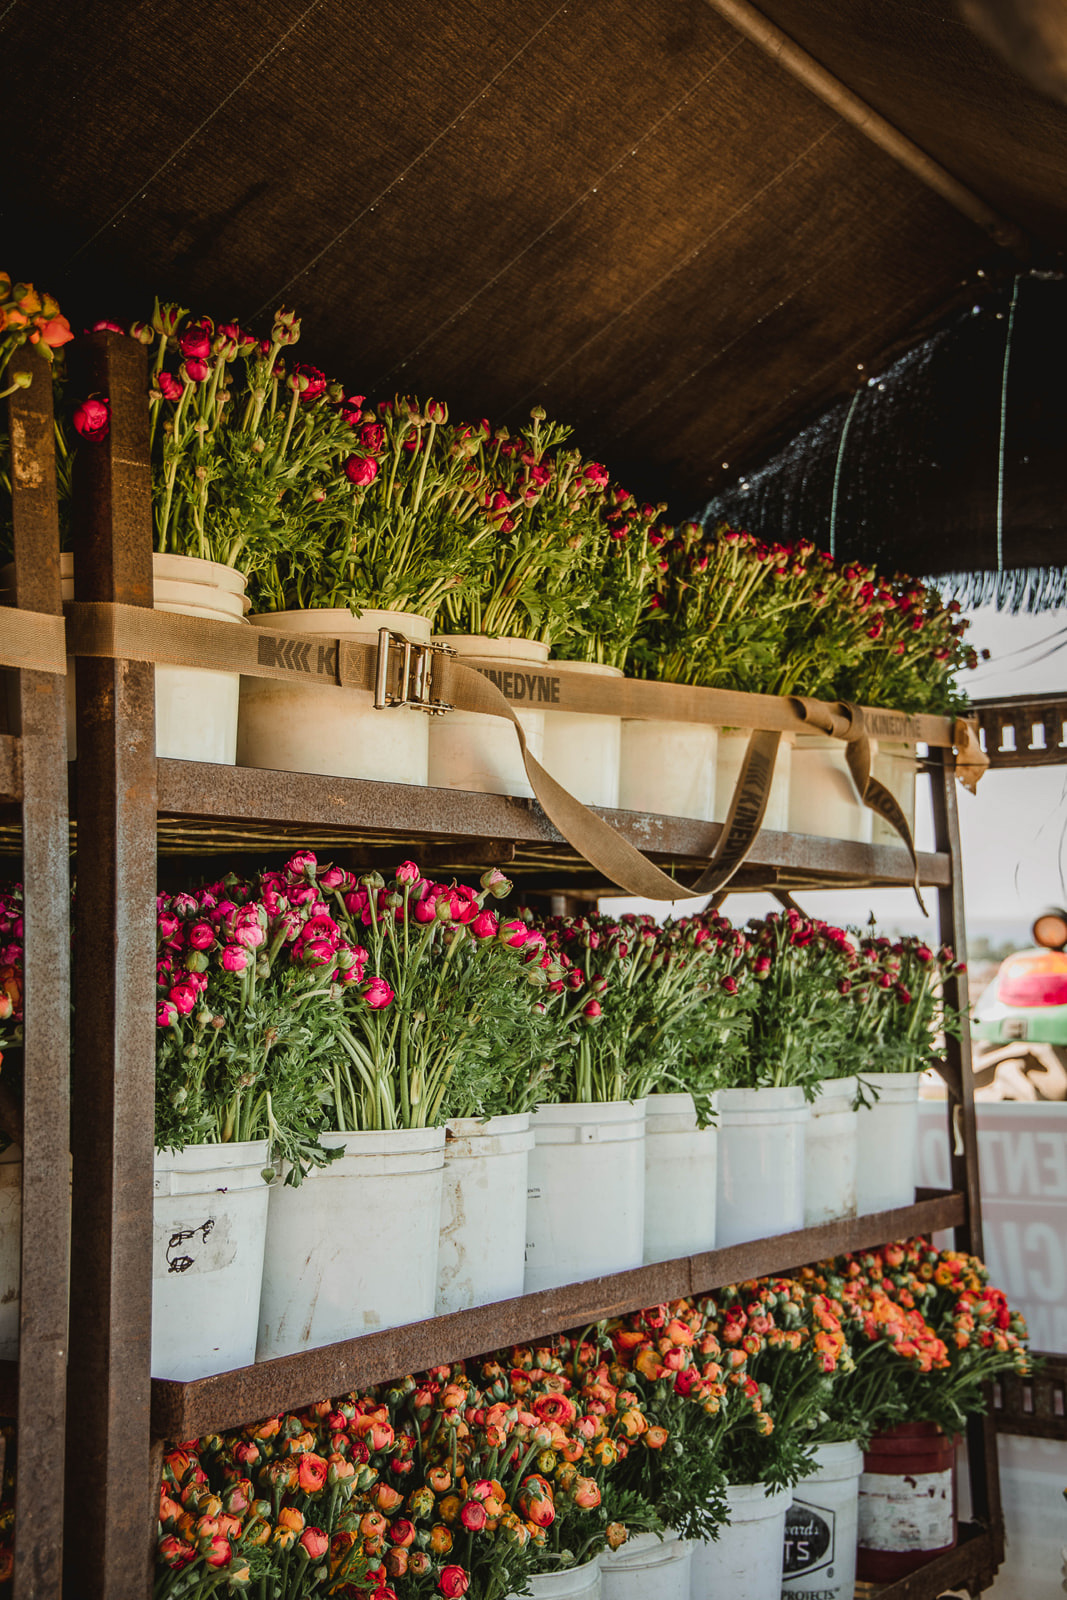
33,641
143,634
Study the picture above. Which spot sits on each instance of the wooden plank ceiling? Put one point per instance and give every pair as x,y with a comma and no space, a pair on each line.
626,212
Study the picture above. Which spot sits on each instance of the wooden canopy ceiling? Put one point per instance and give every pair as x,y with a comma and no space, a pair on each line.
631,213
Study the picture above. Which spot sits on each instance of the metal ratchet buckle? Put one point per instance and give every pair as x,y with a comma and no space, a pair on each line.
404,671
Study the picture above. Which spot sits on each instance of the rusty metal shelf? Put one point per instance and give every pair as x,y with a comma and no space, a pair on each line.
971,1566
208,1405
209,811
1035,1406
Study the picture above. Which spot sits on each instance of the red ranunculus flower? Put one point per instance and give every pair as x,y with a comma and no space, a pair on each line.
92,418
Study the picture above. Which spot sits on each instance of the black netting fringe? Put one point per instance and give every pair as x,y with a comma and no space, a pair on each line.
1031,589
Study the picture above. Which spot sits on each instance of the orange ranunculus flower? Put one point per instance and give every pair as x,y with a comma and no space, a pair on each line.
656,1438
616,1534
386,1499
448,1508
440,1539
312,1472
678,1333
586,1493
315,1543
534,1501
648,1364
396,1561
372,1525
558,1408
439,1479
514,1530
605,1453
573,1450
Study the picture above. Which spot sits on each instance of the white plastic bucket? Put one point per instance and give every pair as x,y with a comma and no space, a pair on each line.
823,799
820,1527
476,751
761,1163
483,1211
830,1153
354,1248
733,742
573,1583
668,768
10,1250
293,727
647,1566
895,766
196,710
887,1139
681,1179
582,747
586,1192
209,1225
746,1559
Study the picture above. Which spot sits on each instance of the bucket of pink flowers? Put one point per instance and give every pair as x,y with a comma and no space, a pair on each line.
436,1020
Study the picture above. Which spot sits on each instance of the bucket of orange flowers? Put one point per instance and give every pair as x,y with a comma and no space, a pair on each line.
929,1332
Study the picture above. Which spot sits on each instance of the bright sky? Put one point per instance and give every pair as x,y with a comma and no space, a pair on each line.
1013,831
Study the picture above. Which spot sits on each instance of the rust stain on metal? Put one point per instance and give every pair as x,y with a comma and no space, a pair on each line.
25,464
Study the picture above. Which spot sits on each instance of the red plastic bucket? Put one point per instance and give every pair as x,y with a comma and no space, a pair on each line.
907,1502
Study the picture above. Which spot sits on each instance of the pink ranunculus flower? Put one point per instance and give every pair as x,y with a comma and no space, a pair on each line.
313,384
372,436
106,327
170,387
485,925
596,474
166,1014
317,952
303,865
92,418
195,342
183,997
426,910
167,924
377,993
408,872
250,934
332,877
513,933
235,958
361,471
195,371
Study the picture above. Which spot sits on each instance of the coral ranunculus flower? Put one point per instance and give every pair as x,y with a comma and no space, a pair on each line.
453,1583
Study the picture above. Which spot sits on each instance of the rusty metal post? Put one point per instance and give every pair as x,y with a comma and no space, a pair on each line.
962,1125
41,713
108,1449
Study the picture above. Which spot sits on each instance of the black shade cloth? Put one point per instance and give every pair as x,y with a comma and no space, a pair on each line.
952,462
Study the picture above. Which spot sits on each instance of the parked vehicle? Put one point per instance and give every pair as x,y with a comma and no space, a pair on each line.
1019,1026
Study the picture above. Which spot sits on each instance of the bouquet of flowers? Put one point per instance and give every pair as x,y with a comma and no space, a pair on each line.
663,1360
802,1029
730,612
787,1345
899,1010
248,1013
638,1004
927,1332
28,317
613,577
551,518
404,525
443,1018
